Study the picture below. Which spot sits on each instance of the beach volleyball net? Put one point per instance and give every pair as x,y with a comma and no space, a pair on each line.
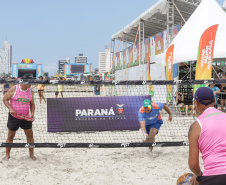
102,114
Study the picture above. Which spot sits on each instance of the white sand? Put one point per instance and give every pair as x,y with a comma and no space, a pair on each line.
94,166
132,166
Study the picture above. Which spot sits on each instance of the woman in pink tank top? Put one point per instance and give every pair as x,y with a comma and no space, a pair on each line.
207,135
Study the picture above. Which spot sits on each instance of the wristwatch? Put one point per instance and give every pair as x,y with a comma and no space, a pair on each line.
199,178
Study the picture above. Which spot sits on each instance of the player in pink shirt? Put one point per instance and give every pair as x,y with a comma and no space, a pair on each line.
208,135
19,99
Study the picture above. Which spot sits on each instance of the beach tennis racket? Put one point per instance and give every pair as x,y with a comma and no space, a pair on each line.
27,118
185,179
143,134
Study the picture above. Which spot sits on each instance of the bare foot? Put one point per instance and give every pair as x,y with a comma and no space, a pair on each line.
186,115
33,157
150,148
6,158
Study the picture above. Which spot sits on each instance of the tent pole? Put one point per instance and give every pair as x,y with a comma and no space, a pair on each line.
179,12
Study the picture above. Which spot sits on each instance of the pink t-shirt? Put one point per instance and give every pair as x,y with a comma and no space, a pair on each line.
212,141
20,102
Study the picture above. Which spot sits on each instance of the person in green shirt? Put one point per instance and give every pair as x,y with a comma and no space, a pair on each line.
60,89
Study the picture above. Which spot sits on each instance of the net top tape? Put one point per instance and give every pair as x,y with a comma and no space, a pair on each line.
113,82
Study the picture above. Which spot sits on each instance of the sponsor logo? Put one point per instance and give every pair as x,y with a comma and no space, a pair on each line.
170,59
206,55
28,145
93,146
125,145
120,108
0,144
144,82
22,100
115,82
185,143
94,112
177,81
153,117
154,144
61,145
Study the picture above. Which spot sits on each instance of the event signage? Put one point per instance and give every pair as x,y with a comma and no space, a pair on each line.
205,55
94,113
150,87
159,43
27,66
39,70
15,70
169,68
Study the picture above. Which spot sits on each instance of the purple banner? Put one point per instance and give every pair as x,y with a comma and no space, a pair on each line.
94,113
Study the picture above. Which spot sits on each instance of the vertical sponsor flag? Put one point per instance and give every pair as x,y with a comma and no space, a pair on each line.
205,55
169,68
150,87
159,43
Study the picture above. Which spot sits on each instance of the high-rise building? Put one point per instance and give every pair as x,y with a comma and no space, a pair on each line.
61,65
102,64
80,59
105,59
6,58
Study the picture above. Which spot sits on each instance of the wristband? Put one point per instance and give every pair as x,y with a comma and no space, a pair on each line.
199,178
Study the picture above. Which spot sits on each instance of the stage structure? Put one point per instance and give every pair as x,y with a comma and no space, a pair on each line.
27,66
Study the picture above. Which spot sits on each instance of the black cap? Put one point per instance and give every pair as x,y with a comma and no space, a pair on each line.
204,93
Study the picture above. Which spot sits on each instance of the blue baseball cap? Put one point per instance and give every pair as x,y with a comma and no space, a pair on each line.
204,93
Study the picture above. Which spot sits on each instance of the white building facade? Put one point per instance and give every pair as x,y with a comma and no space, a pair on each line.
61,65
105,59
6,58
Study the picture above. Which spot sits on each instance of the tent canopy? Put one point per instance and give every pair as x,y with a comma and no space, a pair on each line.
186,42
155,18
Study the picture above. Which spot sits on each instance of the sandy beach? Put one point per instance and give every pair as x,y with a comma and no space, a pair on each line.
132,166
94,166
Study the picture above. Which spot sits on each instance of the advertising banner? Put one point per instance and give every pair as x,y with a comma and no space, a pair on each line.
127,57
147,50
87,68
152,42
159,43
15,70
39,70
124,59
121,60
131,56
67,69
94,113
150,87
205,55
169,68
27,66
134,62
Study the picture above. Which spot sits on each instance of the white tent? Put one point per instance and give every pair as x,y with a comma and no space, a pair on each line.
186,43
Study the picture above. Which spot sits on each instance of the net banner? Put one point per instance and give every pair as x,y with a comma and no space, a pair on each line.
205,55
94,113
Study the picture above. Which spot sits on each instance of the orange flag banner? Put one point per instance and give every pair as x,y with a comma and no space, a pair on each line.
205,55
169,68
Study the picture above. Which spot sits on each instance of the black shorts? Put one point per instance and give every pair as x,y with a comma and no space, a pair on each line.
213,180
41,90
14,123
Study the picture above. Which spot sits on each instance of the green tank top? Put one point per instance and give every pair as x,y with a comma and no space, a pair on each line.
59,88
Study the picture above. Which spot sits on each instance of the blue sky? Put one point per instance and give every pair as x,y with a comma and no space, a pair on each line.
50,30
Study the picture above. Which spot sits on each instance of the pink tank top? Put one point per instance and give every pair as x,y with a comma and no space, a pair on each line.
212,141
20,102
